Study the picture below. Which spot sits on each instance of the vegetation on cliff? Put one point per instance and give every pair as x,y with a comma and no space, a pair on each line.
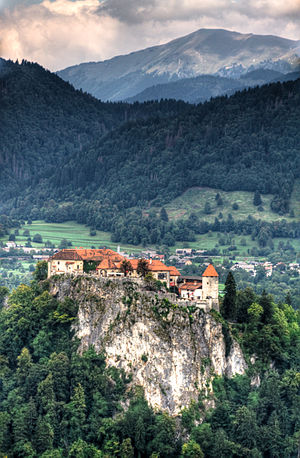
56,402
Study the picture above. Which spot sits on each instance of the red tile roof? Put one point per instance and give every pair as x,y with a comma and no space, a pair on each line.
210,271
106,263
67,255
155,265
190,287
174,272
81,254
98,255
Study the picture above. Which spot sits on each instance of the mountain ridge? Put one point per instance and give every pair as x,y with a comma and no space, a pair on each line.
205,51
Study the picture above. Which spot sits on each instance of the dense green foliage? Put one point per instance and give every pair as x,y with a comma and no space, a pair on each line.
45,122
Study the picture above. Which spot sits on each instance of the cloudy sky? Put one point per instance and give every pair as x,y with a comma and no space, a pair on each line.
60,33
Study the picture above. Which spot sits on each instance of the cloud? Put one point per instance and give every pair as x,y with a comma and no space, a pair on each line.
60,33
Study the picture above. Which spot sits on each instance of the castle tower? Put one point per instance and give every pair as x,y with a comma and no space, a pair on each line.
210,286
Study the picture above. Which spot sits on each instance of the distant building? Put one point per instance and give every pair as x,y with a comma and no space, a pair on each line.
184,251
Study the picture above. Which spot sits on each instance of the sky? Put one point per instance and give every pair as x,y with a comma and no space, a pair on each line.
60,33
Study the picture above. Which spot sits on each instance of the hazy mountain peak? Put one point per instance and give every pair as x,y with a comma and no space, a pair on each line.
205,51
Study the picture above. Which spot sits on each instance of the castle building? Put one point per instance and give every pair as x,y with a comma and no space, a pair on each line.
106,263
203,291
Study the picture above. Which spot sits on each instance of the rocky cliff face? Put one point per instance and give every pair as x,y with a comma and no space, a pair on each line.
171,350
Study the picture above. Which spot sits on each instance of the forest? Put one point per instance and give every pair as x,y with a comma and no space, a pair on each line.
70,156
55,402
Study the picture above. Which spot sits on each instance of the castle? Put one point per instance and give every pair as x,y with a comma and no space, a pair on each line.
203,291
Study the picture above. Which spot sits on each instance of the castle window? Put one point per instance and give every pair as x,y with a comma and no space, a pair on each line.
161,276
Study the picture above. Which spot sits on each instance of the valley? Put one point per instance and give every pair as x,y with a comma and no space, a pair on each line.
185,337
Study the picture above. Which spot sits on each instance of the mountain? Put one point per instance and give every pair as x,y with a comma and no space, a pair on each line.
67,156
191,90
45,122
206,51
204,87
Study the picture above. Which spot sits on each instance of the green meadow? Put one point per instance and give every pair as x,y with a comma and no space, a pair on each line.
77,234
194,200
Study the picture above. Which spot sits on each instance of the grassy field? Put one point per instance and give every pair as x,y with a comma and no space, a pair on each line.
77,234
194,200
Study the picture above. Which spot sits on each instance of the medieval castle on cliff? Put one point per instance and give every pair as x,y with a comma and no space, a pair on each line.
202,291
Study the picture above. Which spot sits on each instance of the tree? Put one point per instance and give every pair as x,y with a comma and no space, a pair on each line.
126,267
257,199
207,208
192,450
244,300
77,413
82,449
229,301
142,267
37,238
63,244
266,303
43,435
219,200
245,422
3,293
41,271
126,449
164,215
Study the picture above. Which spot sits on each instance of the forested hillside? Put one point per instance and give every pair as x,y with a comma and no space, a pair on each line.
45,122
67,156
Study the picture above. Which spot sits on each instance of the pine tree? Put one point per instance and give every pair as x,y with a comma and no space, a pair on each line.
229,301
164,215
126,449
266,303
257,199
77,412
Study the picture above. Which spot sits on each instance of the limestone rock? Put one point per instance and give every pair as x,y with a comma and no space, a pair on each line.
171,350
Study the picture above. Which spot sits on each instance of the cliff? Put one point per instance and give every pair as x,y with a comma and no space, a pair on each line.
172,350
